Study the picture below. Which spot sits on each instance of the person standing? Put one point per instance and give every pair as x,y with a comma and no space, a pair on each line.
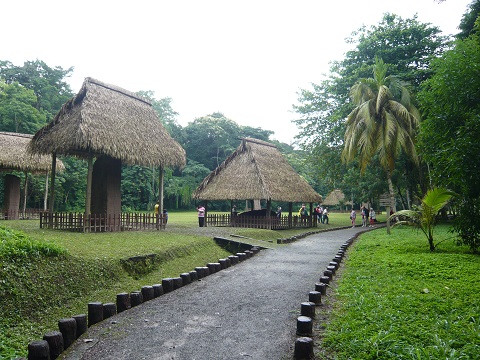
367,214
325,216
201,216
373,217
279,212
353,217
303,214
156,208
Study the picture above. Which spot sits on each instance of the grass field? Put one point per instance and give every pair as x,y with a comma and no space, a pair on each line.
37,290
397,300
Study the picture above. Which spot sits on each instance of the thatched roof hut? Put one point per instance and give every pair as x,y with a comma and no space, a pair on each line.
336,197
256,170
104,119
14,156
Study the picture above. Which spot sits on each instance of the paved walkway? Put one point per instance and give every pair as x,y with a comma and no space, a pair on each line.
247,311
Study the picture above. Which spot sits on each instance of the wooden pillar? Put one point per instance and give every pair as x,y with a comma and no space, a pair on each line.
45,198
206,211
88,199
290,217
25,192
52,184
311,215
268,215
161,178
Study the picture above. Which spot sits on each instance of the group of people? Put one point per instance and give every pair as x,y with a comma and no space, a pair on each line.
368,217
321,214
157,209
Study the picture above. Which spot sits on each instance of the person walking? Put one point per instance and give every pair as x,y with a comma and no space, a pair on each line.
201,216
353,217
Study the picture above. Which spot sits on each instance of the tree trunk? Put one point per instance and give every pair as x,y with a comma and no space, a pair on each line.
391,191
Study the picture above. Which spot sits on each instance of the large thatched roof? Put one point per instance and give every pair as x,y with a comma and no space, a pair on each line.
335,197
13,155
256,170
104,119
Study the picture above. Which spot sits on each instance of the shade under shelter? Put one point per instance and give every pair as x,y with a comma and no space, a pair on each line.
256,170
113,126
14,157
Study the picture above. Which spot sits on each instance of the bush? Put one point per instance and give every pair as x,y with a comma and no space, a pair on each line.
15,244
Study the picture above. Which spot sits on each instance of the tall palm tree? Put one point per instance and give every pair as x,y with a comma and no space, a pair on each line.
383,122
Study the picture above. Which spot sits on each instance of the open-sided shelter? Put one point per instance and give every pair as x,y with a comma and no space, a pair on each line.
113,126
13,156
336,198
257,170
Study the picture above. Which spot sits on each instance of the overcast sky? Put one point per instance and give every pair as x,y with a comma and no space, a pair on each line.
246,59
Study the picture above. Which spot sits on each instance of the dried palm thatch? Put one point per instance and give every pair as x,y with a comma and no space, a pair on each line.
14,156
104,119
256,170
336,197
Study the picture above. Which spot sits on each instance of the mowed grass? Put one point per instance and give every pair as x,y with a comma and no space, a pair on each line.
37,291
397,300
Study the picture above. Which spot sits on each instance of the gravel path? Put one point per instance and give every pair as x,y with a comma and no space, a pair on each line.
247,311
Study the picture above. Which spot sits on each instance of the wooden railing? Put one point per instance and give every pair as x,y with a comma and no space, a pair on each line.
102,222
260,222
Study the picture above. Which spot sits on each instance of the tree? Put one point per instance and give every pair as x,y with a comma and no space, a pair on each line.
383,122
211,139
165,112
467,24
47,83
424,215
322,109
448,138
17,109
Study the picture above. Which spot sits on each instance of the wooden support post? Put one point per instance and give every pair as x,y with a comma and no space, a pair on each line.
45,196
25,192
95,313
88,198
52,191
268,214
81,321
123,302
68,328
304,348
39,350
55,343
290,216
161,177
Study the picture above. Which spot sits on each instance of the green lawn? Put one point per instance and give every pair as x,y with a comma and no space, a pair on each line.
36,291
397,300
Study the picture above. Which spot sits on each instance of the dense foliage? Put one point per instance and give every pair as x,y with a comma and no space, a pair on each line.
451,129
406,46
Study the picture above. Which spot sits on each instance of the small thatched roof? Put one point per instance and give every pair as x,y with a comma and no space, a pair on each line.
104,119
335,197
14,156
256,170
